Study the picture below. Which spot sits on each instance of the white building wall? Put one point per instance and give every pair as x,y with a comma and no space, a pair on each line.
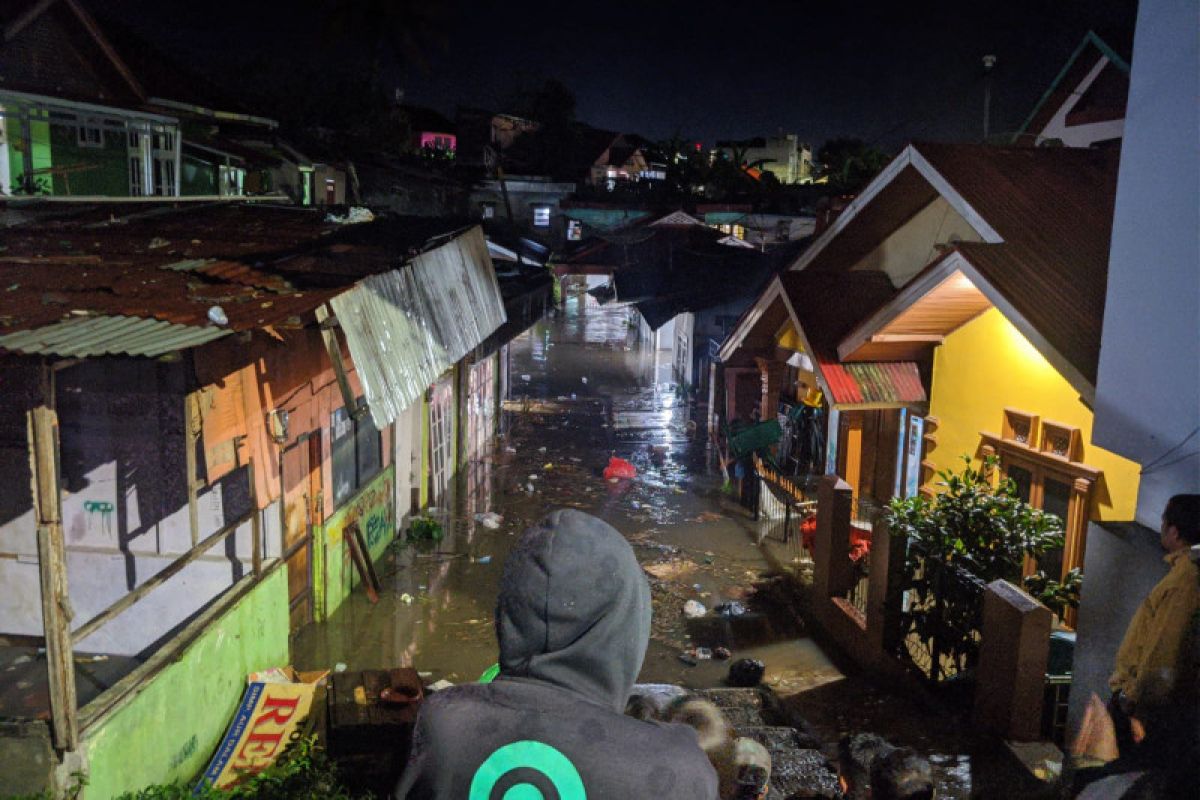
1148,392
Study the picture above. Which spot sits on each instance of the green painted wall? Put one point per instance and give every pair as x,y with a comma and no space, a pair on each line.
169,731
199,177
39,133
110,174
372,509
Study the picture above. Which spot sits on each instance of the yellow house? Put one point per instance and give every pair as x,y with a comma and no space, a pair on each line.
995,260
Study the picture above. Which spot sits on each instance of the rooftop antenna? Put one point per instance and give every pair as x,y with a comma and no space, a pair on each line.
989,61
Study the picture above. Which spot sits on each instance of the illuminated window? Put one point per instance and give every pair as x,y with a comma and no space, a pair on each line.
574,230
541,216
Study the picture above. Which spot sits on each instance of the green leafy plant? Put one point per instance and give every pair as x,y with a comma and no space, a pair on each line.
1057,596
425,529
969,534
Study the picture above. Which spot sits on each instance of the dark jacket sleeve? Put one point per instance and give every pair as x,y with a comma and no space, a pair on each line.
416,782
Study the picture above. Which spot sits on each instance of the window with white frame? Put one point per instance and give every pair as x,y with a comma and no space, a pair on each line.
488,210
541,216
574,230
90,133
163,150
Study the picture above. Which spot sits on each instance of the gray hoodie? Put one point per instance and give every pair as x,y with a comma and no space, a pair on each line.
573,621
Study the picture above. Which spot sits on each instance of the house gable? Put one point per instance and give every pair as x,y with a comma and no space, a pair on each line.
56,49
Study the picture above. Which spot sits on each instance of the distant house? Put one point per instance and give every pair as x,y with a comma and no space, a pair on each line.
1085,105
74,117
622,159
784,156
430,132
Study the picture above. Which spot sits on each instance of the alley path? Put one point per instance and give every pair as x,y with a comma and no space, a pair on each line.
581,390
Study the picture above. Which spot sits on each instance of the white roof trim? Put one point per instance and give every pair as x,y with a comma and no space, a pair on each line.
910,156
911,292
677,218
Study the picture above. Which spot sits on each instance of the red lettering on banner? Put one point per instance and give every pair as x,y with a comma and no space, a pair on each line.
279,704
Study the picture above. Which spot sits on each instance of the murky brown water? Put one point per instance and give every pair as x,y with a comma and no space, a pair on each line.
582,390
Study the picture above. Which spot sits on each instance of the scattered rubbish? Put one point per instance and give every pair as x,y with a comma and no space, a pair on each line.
722,653
527,378
438,685
668,570
339,667
90,659
483,560
405,598
703,654
423,675
576,460
533,476
354,216
529,488
158,242
547,467
584,379
216,315
731,609
619,468
509,449
708,516
490,520
693,609
746,673
542,449
688,659
635,504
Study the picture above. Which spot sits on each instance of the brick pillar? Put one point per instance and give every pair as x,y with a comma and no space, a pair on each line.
1012,663
833,574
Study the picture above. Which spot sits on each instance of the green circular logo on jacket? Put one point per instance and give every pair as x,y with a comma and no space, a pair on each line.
542,758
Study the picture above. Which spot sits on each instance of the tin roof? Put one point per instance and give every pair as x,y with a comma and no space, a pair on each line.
88,282
889,383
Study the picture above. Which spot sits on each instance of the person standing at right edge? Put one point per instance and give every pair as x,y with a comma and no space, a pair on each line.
1155,683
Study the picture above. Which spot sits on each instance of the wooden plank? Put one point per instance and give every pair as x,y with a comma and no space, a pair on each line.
329,336
191,435
42,428
360,558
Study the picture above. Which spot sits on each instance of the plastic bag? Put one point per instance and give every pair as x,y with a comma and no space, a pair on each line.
619,468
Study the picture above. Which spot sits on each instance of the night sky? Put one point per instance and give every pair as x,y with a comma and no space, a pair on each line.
886,72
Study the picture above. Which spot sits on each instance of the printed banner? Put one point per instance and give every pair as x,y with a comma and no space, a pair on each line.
265,723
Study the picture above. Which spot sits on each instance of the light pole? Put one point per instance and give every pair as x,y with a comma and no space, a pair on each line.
989,61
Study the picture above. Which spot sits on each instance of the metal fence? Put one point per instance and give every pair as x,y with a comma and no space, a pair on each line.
941,616
785,505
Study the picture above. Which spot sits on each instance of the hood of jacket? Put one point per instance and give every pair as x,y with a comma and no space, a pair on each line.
574,609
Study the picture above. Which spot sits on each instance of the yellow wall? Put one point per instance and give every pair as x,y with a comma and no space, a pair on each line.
986,366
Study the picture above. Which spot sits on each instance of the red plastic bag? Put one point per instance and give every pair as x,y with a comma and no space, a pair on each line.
619,468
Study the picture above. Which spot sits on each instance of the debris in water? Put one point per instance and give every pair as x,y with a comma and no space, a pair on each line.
438,685
688,659
722,653
483,560
526,378
406,598
746,673
730,609
693,609
490,520
339,667
669,570
547,467
542,449
703,654
584,379
619,468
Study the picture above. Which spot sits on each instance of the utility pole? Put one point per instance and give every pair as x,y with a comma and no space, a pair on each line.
989,61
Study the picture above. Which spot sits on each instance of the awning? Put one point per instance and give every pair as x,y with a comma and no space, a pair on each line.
407,326
873,383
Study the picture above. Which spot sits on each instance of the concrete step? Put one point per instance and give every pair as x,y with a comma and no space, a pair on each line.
802,774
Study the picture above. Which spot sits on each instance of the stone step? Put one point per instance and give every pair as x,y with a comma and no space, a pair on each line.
802,774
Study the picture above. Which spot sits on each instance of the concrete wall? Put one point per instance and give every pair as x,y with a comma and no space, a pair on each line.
1148,392
907,251
169,730
986,366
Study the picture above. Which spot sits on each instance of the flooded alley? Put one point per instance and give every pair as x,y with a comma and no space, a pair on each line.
583,389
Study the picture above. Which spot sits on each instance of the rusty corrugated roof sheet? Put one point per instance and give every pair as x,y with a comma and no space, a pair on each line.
866,383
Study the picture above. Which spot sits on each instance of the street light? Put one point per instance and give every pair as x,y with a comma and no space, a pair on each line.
989,61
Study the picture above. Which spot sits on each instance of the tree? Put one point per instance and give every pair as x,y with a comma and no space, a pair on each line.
849,164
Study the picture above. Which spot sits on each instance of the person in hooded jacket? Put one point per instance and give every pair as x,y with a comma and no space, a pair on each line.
573,622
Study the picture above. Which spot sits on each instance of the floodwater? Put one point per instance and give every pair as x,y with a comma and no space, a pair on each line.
582,389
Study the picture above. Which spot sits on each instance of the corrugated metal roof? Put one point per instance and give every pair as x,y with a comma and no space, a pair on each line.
861,383
406,327
84,337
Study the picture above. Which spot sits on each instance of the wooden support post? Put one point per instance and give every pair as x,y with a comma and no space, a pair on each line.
329,335
42,426
256,544
191,437
883,589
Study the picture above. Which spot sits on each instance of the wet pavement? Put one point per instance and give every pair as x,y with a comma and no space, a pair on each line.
581,390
